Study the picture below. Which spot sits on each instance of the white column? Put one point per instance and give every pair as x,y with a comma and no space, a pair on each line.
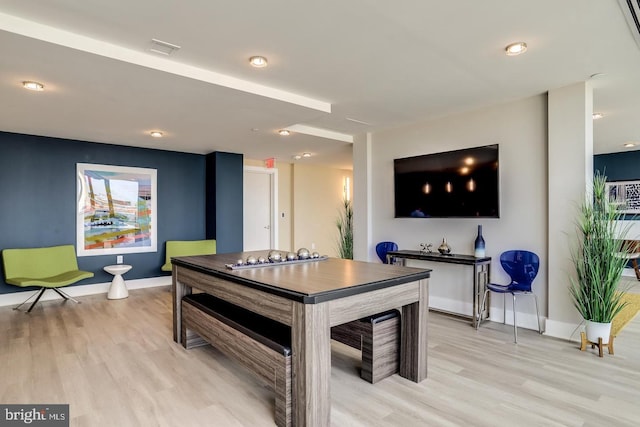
570,170
363,249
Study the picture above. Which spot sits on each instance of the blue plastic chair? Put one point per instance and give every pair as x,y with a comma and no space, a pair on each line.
383,247
522,266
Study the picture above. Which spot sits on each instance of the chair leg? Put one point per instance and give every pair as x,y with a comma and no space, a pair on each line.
38,293
504,309
37,299
515,321
65,295
537,312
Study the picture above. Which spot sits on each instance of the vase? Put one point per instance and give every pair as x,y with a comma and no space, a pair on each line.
444,249
479,246
597,330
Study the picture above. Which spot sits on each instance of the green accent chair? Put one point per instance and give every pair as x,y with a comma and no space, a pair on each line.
49,267
176,248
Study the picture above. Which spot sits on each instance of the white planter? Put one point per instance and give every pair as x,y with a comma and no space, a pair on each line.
597,330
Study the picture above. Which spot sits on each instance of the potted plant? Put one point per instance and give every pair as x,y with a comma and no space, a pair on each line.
599,261
345,231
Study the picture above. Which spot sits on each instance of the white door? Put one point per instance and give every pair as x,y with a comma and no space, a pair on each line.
259,209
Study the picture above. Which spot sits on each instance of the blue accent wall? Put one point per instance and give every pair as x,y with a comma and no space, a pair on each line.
619,166
38,194
224,201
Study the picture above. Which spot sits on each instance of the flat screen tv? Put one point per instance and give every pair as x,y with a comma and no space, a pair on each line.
454,184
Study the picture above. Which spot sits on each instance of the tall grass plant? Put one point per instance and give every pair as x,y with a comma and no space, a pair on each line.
599,256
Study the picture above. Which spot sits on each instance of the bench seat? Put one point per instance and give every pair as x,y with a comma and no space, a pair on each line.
378,337
260,344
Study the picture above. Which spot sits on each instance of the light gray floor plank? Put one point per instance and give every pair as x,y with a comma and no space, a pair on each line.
116,364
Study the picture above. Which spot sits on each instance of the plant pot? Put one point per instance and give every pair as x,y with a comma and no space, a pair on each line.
597,330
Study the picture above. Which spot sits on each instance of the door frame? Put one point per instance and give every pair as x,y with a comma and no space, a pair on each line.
273,182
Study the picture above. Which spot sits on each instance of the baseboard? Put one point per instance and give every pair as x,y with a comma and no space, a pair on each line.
525,320
563,330
83,290
450,305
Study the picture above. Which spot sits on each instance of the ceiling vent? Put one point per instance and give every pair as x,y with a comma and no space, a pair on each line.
631,11
163,48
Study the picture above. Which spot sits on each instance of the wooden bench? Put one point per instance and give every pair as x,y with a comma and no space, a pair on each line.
47,267
259,344
378,337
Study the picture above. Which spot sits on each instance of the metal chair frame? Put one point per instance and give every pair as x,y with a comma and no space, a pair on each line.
516,287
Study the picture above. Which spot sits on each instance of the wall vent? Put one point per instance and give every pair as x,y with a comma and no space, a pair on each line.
163,48
631,11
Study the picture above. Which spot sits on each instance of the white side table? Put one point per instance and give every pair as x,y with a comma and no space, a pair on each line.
118,289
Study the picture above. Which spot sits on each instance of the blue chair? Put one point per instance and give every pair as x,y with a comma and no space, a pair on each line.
522,266
383,247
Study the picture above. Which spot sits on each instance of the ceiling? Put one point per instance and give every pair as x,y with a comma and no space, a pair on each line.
344,67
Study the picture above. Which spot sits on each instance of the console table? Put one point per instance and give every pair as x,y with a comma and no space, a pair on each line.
481,274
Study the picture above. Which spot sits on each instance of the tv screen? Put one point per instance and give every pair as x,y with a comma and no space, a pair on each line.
462,183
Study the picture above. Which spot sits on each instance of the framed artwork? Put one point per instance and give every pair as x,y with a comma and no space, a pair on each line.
117,209
626,195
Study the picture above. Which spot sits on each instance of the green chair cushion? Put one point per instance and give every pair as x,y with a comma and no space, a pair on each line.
63,279
176,248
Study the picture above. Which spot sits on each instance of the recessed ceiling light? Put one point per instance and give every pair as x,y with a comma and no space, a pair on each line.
597,116
258,61
156,134
33,86
306,155
629,145
297,157
284,132
516,48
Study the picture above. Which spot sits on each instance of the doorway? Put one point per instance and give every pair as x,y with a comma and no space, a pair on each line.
260,207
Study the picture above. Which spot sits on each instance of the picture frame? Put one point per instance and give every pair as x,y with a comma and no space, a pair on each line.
625,195
116,209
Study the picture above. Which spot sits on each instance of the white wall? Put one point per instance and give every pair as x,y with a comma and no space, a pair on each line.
520,129
570,174
317,201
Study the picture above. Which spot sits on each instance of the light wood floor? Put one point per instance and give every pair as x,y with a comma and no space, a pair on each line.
115,363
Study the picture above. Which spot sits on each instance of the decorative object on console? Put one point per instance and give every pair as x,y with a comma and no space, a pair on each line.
444,249
479,246
426,249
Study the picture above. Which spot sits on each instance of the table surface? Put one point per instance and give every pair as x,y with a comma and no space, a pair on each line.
438,257
310,282
117,268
